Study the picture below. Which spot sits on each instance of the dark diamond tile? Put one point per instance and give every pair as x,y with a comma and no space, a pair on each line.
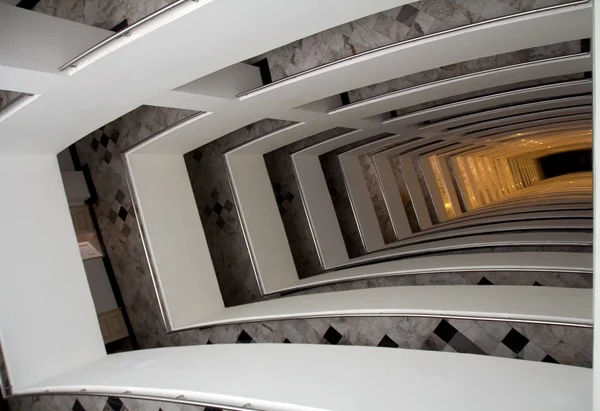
104,140
95,144
279,198
244,338
119,196
208,342
485,281
77,406
207,210
114,135
112,216
289,197
125,230
434,343
286,341
220,222
445,331
332,336
407,15
277,187
228,205
218,208
114,403
215,194
212,409
462,344
122,213
131,211
107,157
538,284
548,358
197,155
282,210
387,342
515,341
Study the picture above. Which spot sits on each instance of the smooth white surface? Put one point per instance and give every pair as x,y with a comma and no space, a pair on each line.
465,84
256,204
176,238
521,261
33,46
483,240
319,211
44,299
104,299
479,103
534,225
362,203
514,303
508,111
343,378
75,187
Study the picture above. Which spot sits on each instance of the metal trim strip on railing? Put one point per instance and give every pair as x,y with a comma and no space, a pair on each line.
125,32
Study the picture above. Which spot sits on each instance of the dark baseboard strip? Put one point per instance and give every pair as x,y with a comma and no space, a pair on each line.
28,4
265,72
121,26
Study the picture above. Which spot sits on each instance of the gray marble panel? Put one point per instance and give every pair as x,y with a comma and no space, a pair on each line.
105,14
398,24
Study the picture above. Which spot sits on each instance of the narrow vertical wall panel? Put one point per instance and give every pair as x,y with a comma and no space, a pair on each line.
320,211
183,267
434,191
416,195
48,324
362,204
391,195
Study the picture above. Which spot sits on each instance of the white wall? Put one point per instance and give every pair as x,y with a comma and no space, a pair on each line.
104,299
187,278
75,187
47,318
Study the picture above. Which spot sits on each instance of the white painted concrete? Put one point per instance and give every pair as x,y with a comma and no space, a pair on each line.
44,298
104,299
272,258
188,287
321,215
75,187
335,378
510,303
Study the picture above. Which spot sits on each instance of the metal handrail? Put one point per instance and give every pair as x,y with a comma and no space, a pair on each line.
125,32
